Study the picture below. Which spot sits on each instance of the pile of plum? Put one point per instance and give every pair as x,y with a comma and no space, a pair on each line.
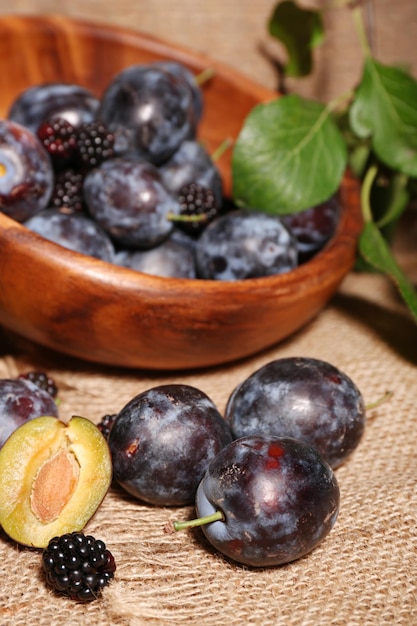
124,178
261,476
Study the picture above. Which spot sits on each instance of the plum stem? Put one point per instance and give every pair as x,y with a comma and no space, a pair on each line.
199,521
221,149
373,405
204,75
179,217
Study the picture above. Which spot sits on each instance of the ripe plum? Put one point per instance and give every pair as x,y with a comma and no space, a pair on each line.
170,258
26,173
275,500
22,400
191,163
40,102
179,70
150,110
74,231
305,398
313,227
162,442
127,198
245,244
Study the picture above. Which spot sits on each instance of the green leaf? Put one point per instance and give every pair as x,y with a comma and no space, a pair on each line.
376,251
289,156
385,109
299,30
359,158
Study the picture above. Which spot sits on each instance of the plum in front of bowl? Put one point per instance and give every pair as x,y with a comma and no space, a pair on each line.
309,399
22,400
275,499
162,442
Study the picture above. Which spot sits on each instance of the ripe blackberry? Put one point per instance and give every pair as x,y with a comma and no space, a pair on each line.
59,138
68,191
95,144
106,424
198,207
78,565
41,380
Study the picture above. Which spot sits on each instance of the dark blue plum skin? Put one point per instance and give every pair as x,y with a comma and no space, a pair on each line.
191,163
127,198
170,259
150,109
20,401
245,244
278,497
26,173
162,442
304,398
74,231
190,79
314,227
40,102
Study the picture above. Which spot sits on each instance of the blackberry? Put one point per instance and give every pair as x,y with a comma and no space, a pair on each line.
106,424
95,144
41,380
198,207
78,565
68,191
59,139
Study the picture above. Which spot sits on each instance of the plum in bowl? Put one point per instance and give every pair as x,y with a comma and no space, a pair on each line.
103,313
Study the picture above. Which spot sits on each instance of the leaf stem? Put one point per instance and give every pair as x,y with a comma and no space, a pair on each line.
221,149
335,102
399,199
361,30
367,183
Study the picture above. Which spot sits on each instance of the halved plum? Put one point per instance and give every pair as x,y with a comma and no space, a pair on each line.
54,476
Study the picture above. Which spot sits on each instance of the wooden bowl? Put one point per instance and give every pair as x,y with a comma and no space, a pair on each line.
103,313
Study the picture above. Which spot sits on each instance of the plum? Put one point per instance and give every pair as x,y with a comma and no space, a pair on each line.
150,111
40,102
309,399
54,476
245,244
22,400
266,501
26,172
162,442
127,198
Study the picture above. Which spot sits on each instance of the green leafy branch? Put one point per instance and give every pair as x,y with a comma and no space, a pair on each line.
292,152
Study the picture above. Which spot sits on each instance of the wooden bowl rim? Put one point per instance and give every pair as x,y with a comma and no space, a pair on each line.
321,266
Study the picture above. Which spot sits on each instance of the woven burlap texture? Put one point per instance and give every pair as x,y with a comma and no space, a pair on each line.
363,574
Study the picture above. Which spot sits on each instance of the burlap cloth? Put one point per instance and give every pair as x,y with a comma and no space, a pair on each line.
363,574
